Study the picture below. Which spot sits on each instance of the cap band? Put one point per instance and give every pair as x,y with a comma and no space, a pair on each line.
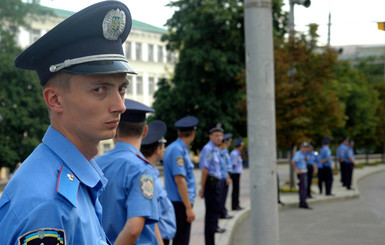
86,59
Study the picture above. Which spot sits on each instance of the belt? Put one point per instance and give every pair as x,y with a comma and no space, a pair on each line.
213,178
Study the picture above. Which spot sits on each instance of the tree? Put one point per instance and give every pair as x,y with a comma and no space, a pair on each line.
208,34
23,115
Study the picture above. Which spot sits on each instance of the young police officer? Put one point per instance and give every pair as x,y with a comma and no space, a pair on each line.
179,178
153,147
53,197
130,208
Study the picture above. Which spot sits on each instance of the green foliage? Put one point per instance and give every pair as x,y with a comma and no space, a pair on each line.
23,115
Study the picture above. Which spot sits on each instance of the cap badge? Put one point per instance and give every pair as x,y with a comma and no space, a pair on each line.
113,24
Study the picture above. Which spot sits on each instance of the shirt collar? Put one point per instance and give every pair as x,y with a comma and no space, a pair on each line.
86,171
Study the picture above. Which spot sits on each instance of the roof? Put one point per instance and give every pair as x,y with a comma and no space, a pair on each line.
137,25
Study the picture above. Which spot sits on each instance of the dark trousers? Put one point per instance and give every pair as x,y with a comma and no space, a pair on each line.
223,210
310,171
213,192
348,174
166,241
342,172
321,179
302,189
235,178
183,228
328,178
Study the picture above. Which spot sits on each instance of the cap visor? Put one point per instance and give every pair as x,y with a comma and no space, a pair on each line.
100,67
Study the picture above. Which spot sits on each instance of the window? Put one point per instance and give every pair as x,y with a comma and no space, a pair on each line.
138,50
128,50
150,52
160,53
170,57
139,85
151,85
34,35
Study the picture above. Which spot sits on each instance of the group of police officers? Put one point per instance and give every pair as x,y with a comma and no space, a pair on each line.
307,162
62,195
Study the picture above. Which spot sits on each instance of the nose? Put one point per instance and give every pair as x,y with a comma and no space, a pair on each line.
118,104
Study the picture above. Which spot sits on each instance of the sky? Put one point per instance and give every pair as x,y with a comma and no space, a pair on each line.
353,22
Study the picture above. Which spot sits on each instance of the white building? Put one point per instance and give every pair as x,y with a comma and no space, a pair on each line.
145,52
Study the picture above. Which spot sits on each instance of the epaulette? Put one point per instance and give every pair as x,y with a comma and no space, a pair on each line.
144,159
68,185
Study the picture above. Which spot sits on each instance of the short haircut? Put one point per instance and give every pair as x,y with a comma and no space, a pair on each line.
184,134
131,129
59,80
149,150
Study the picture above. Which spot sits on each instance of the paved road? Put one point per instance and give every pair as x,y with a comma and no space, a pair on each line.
351,222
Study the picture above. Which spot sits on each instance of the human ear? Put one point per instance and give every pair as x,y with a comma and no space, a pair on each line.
51,97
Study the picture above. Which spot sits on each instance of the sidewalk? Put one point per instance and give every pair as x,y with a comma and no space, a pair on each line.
291,200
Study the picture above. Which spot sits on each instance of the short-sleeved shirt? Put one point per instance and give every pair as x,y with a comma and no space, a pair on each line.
55,188
300,160
224,159
326,153
176,161
312,158
341,151
236,162
209,159
167,222
129,192
349,153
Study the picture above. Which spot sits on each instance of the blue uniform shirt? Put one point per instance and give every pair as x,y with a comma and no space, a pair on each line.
300,160
349,153
224,163
341,151
129,192
56,187
176,161
167,222
236,162
209,159
312,158
326,153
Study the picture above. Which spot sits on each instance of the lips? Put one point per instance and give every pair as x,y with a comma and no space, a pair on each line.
113,123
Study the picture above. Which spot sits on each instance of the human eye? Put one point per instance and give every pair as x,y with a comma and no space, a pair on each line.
123,89
99,90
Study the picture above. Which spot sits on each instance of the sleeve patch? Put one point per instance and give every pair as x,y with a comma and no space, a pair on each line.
147,186
208,157
180,161
46,236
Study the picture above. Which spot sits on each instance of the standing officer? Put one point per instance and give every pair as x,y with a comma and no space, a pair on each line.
299,165
211,183
179,178
53,196
325,157
225,157
311,168
130,208
350,162
235,172
341,151
153,149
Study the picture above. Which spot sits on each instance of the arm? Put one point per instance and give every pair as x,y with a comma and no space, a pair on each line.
158,235
131,231
228,179
183,193
295,169
203,182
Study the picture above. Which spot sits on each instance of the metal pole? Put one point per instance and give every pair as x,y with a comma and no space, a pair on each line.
291,72
261,121
329,25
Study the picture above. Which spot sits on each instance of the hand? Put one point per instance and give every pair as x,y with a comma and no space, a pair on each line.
190,215
228,181
201,193
298,171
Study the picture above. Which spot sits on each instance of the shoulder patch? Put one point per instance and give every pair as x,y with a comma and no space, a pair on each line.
147,186
180,161
46,236
208,156
67,185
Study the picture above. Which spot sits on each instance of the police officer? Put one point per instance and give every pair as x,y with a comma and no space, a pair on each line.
179,178
341,151
235,172
350,162
53,196
211,183
325,157
153,147
130,208
299,165
225,157
311,168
